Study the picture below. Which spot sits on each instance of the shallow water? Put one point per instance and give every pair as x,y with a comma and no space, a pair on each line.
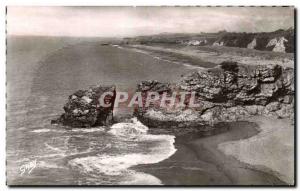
199,161
41,74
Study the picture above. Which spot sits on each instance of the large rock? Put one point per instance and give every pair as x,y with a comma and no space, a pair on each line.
228,92
83,108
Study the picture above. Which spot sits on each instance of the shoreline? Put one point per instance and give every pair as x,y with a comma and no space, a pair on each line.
227,153
199,161
275,142
210,56
173,56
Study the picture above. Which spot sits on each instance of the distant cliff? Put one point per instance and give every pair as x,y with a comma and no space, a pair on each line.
277,41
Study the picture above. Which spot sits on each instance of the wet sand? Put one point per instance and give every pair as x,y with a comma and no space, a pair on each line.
198,161
272,148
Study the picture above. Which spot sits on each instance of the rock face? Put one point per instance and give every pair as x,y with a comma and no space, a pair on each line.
277,45
252,44
283,40
218,43
83,108
228,92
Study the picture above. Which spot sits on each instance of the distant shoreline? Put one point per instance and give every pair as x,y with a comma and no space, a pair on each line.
210,56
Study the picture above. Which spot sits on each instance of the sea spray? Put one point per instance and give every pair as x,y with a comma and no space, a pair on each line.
148,149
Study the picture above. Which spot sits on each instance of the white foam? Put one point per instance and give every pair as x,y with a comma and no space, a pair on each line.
89,130
41,130
49,130
131,129
139,178
192,66
53,148
84,130
119,164
47,165
51,155
120,47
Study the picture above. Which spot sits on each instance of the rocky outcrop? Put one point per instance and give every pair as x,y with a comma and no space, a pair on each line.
83,108
280,47
194,43
218,43
252,44
277,45
228,92
200,42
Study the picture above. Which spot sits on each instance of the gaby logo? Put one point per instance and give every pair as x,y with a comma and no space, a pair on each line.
142,99
28,167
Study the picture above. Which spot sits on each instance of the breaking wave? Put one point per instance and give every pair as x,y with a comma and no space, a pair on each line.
142,148
82,130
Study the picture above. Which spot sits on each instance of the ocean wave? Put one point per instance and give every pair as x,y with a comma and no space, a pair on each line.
83,130
55,155
44,130
47,165
140,178
53,148
161,148
132,129
192,66
141,51
89,130
41,130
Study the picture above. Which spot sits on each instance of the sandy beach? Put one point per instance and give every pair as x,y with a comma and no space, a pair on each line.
257,151
271,150
213,55
215,159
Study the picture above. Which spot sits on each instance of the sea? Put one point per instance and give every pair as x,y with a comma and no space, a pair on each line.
41,73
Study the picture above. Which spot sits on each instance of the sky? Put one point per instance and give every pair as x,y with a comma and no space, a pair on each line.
134,21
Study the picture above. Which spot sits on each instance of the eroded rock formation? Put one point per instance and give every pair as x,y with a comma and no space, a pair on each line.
252,44
83,108
277,45
228,92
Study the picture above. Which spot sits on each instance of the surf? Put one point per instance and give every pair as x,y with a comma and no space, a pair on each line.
147,149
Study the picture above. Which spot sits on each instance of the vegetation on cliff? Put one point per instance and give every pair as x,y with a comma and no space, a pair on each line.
279,41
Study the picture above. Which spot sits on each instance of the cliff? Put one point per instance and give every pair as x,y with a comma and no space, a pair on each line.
84,110
277,41
228,92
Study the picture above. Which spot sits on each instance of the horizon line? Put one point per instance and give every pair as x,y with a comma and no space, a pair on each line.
75,36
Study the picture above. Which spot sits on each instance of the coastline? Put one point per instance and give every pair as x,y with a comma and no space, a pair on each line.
210,56
257,151
200,161
171,55
271,150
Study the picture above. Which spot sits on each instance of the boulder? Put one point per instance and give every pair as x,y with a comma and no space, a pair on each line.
83,108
